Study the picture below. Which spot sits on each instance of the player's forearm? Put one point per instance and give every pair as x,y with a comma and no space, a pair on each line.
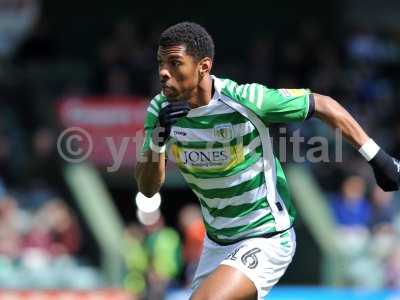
150,175
385,167
331,112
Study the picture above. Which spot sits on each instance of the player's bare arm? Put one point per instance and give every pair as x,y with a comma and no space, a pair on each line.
331,112
386,168
150,175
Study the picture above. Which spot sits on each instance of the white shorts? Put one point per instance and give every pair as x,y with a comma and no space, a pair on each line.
262,260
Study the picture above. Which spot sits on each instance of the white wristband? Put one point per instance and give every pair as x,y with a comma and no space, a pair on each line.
369,149
156,148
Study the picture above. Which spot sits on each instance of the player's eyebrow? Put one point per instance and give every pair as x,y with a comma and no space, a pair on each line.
169,56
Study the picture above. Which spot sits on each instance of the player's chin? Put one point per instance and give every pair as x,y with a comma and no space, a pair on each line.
174,96
170,93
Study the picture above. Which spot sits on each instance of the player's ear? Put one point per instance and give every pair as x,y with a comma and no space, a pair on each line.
205,65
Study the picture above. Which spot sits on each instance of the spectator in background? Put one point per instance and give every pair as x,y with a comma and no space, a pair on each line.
64,228
353,213
38,250
39,238
136,260
382,223
364,45
383,208
164,247
12,221
192,227
351,207
55,230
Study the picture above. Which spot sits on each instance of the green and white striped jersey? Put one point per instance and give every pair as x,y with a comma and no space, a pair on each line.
224,152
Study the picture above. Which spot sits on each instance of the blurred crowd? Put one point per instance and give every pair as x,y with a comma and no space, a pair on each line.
367,233
39,229
40,239
160,261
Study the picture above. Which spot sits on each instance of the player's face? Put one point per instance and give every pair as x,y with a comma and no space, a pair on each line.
179,72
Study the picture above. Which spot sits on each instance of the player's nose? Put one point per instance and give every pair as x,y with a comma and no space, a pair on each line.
164,74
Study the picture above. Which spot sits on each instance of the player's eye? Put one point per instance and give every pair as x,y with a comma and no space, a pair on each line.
176,63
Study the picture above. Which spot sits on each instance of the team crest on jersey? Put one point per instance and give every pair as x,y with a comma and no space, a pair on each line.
223,132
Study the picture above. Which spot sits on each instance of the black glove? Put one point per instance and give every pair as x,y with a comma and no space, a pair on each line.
167,117
386,170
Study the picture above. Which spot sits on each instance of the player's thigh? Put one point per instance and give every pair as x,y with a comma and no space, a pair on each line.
226,283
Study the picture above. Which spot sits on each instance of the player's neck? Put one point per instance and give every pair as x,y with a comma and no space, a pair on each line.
203,94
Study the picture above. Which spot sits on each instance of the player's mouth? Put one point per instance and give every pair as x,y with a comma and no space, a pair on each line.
167,90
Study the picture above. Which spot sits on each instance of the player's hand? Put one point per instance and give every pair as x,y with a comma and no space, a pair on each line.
386,170
167,117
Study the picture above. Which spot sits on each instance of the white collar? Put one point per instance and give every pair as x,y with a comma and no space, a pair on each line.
217,88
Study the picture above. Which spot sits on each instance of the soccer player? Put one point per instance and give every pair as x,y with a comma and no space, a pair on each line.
217,133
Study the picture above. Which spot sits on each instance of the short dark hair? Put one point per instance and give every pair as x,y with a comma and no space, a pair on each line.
197,40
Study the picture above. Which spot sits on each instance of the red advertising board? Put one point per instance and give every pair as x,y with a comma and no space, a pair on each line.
110,128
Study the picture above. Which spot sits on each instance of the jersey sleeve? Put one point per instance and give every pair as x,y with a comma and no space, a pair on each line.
151,120
275,105
284,105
